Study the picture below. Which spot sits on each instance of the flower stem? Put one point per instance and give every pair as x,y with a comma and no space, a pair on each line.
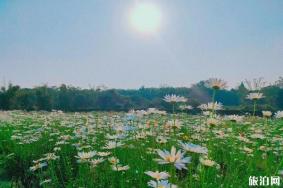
254,108
213,101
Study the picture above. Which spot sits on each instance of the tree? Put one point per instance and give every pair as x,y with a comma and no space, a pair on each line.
43,98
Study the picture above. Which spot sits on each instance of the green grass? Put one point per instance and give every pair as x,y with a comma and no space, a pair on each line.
28,136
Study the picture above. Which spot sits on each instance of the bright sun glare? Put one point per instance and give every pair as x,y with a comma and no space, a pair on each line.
145,17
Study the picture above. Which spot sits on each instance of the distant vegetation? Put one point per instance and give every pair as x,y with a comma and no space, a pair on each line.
68,98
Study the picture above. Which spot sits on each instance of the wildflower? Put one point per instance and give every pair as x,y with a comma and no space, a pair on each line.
57,149
279,114
95,162
161,184
155,111
212,121
176,124
244,139
247,150
140,113
61,142
174,98
216,83
255,96
235,118
211,106
85,156
120,168
255,84
176,158
103,154
258,136
185,107
207,162
158,175
206,113
119,128
112,145
161,140
194,148
161,112
130,117
38,166
65,137
113,160
264,148
141,135
196,177
51,156
38,160
266,114
114,137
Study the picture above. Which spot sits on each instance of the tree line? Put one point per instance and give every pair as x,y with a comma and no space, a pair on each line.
69,98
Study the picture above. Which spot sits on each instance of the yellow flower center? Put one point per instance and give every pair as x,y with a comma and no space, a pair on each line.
170,159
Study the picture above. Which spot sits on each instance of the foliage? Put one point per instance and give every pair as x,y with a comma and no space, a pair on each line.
68,98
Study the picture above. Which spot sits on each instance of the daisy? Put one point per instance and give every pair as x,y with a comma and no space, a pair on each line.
85,156
175,157
216,83
174,98
38,166
279,114
161,140
247,150
158,175
212,121
255,96
194,148
174,124
235,118
243,138
206,113
207,162
255,85
161,184
155,111
185,107
266,114
211,106
120,168
51,156
95,162
103,154
113,160
141,113
112,145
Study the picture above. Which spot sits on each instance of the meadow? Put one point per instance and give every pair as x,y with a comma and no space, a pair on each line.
135,94
104,149
143,148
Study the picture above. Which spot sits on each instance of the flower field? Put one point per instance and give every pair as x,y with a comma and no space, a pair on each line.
141,94
149,148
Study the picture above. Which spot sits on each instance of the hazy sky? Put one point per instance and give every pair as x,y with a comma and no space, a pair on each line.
82,42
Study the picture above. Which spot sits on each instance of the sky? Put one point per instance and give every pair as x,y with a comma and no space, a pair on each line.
91,42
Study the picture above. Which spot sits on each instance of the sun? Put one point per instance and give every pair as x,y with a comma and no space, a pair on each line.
145,18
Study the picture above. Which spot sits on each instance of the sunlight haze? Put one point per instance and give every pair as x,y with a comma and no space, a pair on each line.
129,44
